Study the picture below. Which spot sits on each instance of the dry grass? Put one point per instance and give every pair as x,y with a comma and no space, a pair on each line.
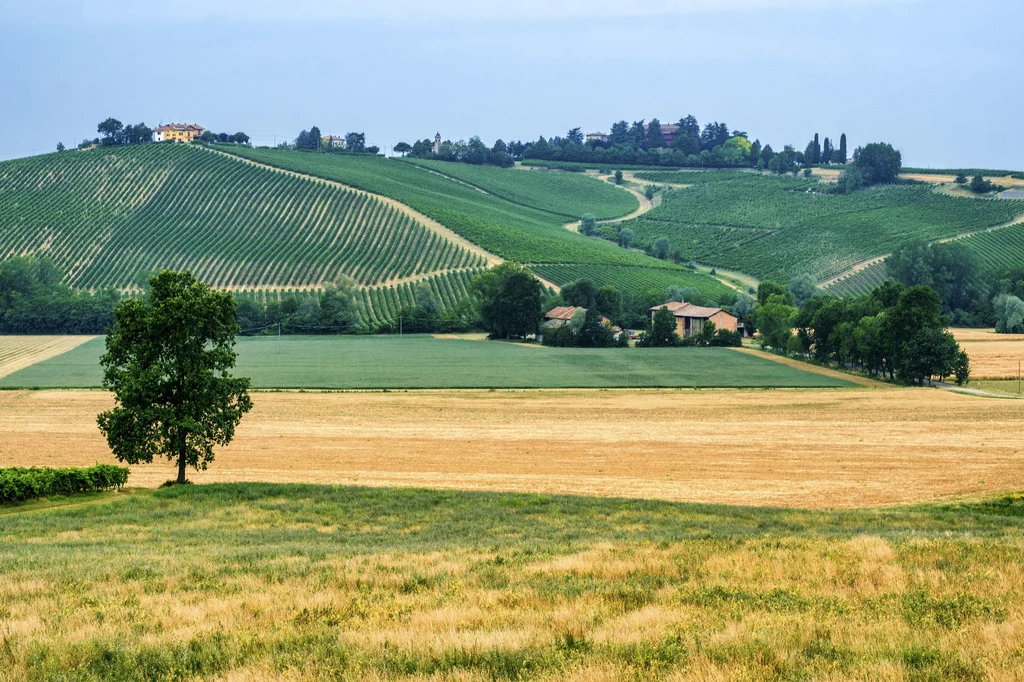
993,356
252,583
808,448
18,352
1006,181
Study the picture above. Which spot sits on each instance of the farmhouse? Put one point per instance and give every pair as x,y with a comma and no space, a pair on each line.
668,131
335,141
597,137
556,317
690,318
177,132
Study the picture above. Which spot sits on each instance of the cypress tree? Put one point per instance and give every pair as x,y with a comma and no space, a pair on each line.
842,148
816,157
826,151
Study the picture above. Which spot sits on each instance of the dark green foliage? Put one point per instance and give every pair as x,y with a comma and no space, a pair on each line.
588,225
618,177
953,270
581,293
510,300
33,300
979,185
879,163
168,365
18,484
662,332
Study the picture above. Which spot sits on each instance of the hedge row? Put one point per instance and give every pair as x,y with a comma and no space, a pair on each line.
18,484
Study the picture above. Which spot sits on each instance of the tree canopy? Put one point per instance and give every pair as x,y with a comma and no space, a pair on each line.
168,365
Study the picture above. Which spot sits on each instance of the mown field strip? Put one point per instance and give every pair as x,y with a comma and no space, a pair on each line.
805,448
19,352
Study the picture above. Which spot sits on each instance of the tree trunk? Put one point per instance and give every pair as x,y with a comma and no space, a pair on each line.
181,460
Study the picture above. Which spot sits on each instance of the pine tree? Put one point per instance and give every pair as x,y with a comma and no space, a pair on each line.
842,148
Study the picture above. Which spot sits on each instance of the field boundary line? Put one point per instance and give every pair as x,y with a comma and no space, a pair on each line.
815,369
50,348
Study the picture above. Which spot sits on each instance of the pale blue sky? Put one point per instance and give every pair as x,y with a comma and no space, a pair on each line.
939,79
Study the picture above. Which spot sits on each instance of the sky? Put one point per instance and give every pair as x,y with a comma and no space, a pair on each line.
938,79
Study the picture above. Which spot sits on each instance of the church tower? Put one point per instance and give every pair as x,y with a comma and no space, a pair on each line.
437,143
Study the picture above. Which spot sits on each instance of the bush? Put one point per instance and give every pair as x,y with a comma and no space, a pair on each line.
18,484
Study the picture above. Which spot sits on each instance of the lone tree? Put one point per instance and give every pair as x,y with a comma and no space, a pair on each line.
167,362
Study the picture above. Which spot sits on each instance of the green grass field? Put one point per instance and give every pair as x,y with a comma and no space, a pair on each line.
252,581
777,227
355,362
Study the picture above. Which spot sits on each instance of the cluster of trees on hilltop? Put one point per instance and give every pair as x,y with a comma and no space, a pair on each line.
116,134
312,140
33,300
895,331
474,152
210,137
715,145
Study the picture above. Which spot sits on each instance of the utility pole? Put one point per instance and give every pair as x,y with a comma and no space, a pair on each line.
279,336
399,326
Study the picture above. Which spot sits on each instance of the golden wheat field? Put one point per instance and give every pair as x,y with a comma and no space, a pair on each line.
808,448
993,356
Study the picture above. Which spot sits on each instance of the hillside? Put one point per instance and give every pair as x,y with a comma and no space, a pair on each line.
536,236
776,227
108,216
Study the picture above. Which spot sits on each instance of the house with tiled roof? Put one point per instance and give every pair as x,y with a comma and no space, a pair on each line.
690,319
177,132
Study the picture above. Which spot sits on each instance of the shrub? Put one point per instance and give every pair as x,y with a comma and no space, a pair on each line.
18,484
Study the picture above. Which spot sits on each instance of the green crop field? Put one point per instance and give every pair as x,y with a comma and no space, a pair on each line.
776,227
634,279
1000,249
510,230
419,361
109,216
859,283
260,581
570,195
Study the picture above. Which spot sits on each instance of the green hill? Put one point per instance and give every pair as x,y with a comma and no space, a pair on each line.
467,202
776,227
105,216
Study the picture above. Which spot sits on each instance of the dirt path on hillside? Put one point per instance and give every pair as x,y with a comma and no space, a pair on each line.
426,221
858,267
431,224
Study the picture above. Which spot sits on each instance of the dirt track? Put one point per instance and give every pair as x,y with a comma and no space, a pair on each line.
810,448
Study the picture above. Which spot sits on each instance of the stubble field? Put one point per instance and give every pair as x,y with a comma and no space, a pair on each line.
993,356
809,448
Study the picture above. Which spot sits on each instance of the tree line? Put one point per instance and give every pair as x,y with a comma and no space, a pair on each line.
896,332
312,140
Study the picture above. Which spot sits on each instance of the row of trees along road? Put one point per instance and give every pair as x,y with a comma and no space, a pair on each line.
895,331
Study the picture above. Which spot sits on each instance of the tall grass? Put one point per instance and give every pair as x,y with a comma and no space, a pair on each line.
318,582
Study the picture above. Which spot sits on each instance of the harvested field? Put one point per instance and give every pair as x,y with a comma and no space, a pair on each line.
993,356
18,352
807,448
962,335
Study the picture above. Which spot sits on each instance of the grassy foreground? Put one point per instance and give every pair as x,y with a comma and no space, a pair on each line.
317,582
421,361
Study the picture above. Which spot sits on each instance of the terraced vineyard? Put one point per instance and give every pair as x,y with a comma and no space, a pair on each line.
1000,249
633,279
570,195
860,282
108,217
512,231
776,227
